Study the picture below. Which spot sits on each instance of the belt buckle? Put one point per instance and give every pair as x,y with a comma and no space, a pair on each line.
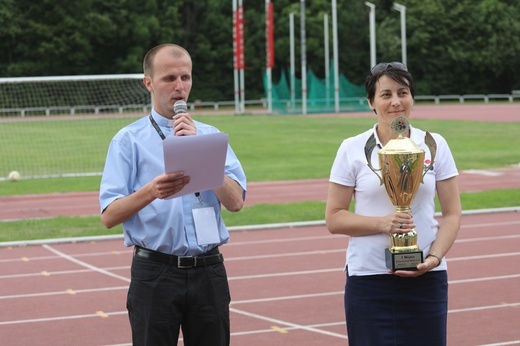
181,266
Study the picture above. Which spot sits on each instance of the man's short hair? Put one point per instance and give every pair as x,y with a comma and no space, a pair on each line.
176,51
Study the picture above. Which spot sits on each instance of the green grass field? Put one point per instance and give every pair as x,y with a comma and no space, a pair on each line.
269,147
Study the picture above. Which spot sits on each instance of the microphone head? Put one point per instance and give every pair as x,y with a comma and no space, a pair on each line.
180,107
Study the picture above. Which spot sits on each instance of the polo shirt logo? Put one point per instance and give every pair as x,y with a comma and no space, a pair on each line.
427,163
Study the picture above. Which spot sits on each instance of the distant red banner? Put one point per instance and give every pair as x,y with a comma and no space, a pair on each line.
270,35
239,39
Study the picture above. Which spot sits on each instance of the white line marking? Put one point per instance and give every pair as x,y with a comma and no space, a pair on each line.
483,172
515,342
60,272
472,309
285,323
270,275
491,224
502,237
307,272
285,254
61,318
56,293
284,240
230,259
261,331
478,257
86,265
492,278
480,308
273,299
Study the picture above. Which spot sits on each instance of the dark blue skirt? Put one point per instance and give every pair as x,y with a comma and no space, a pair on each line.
391,310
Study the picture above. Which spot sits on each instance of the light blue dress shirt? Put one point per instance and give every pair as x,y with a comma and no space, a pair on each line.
134,158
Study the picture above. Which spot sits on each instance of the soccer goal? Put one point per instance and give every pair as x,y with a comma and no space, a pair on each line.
61,126
25,96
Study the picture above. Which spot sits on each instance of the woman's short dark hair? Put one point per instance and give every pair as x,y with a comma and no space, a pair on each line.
395,71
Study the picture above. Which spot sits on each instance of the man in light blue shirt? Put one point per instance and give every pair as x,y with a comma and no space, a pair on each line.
178,281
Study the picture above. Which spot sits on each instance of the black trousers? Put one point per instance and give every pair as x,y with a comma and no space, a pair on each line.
163,299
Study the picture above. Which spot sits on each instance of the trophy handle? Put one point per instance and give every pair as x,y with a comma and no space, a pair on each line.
432,145
369,147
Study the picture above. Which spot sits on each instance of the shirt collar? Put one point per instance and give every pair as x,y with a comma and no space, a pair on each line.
160,120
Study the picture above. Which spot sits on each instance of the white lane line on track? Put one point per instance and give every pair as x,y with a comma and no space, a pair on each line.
59,272
89,254
273,299
61,318
480,308
284,274
57,293
478,257
285,254
285,323
309,328
505,343
116,288
502,237
492,278
273,241
491,224
262,331
86,265
483,172
230,259
284,240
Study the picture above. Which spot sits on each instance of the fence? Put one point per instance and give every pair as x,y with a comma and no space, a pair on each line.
217,105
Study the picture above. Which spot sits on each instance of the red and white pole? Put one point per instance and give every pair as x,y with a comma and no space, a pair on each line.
269,49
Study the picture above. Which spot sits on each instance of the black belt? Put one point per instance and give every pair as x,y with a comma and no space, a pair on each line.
211,257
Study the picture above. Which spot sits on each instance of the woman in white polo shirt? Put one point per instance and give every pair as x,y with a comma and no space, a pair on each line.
385,307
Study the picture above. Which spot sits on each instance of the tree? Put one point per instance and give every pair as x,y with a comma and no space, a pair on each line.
453,46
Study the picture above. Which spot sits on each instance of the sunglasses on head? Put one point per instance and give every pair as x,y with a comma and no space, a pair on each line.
385,65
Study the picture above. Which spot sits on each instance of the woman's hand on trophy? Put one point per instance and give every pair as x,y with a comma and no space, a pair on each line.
399,223
429,263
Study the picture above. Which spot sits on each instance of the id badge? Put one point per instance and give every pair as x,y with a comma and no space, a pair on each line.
206,227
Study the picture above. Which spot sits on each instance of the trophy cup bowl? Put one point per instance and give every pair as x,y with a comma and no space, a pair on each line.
402,169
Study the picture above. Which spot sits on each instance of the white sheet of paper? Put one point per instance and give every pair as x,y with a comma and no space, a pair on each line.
202,157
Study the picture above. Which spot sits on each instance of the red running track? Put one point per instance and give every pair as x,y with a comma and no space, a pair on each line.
86,203
286,283
286,286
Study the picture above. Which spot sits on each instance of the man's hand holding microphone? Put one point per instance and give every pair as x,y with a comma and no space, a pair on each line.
183,124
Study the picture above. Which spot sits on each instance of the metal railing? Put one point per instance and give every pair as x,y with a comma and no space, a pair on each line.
216,105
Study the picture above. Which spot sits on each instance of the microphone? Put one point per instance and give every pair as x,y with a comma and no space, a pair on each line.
180,107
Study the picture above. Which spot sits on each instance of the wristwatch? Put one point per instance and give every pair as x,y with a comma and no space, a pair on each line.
432,254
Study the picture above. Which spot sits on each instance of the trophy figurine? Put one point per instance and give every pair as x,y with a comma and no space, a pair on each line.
402,171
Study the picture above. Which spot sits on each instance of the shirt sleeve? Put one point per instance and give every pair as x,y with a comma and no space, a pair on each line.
234,170
342,171
115,181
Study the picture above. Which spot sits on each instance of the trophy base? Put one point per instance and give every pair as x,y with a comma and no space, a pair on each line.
403,260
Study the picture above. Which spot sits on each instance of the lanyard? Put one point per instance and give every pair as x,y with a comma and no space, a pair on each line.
157,128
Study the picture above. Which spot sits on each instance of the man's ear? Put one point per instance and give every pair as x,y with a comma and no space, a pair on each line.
147,81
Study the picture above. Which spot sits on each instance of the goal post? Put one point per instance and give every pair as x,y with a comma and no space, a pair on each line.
21,96
61,126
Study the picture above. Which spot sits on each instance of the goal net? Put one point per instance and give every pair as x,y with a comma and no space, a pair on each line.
61,126
320,95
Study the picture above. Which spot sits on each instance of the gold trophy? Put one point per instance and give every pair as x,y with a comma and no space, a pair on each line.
402,171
